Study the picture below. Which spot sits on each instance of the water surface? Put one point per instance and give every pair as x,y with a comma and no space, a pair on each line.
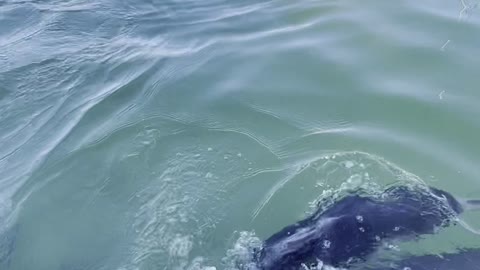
174,134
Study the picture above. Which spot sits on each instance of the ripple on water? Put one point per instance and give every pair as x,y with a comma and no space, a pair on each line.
12,29
332,176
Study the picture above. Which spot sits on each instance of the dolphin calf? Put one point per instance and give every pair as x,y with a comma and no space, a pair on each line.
353,227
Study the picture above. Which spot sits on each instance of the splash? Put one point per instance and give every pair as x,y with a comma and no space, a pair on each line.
241,255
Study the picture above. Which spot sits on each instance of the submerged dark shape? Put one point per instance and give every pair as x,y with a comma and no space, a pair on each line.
352,228
468,259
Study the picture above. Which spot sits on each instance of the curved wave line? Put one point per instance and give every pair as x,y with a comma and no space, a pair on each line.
274,189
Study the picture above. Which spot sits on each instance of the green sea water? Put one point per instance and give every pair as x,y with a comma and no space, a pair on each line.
174,134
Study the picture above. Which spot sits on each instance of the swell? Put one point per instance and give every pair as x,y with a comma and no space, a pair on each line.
68,120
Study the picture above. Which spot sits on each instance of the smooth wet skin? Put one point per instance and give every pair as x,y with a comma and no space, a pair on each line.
353,227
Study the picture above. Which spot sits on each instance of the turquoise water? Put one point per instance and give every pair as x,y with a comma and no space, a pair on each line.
175,134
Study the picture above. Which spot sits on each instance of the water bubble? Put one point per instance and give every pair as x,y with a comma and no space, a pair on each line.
349,164
360,219
327,244
393,247
209,149
396,229
362,229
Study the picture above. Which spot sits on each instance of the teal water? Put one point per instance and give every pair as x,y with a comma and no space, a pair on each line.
175,134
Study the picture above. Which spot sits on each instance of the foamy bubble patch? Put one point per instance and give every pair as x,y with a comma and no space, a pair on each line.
180,246
241,255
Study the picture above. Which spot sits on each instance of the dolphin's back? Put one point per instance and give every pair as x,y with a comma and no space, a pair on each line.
352,228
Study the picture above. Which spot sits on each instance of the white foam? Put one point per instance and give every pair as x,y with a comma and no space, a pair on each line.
327,244
241,254
198,264
180,246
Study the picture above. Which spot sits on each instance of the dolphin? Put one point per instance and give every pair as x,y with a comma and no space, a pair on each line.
355,226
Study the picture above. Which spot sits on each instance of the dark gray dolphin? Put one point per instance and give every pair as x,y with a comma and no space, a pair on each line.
352,228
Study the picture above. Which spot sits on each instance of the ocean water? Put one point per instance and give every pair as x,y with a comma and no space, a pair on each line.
178,134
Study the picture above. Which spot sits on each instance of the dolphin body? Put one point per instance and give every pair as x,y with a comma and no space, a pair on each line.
352,228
